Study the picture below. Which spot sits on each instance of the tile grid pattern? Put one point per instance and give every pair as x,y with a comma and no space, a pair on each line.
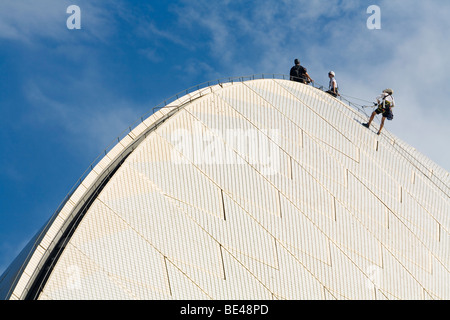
265,189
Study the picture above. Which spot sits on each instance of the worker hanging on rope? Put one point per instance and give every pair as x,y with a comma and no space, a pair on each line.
299,73
332,87
385,103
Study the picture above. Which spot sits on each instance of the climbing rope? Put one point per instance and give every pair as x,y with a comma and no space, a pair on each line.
439,183
347,98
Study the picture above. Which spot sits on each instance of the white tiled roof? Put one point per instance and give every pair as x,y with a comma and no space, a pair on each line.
264,189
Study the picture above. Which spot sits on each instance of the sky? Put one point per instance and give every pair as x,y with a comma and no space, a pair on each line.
67,93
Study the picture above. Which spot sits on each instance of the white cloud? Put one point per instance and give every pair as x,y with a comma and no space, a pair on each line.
415,64
86,112
84,126
28,21
24,20
409,53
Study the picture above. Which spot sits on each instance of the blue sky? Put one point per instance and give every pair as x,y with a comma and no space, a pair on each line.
66,94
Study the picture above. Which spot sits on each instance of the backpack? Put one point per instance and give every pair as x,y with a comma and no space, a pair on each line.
386,106
298,73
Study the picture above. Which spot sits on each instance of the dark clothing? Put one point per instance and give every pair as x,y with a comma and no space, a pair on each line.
333,82
298,73
334,94
386,111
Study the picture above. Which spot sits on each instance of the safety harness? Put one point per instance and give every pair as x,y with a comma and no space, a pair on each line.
385,106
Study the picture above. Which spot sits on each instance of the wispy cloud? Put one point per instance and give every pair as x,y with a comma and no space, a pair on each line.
84,124
409,53
233,38
34,22
80,87
25,20
66,86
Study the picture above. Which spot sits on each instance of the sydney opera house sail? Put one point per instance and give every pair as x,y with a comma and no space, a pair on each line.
258,189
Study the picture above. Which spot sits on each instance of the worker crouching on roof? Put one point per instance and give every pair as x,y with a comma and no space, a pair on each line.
332,87
385,103
299,73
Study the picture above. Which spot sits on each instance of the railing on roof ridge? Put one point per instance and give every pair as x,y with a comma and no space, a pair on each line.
122,135
125,132
165,103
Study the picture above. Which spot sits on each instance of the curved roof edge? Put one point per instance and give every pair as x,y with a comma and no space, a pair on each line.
27,274
23,279
7,279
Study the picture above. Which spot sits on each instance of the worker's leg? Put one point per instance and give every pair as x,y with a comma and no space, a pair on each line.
371,118
382,124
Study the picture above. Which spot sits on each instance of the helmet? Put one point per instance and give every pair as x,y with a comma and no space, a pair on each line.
332,73
296,61
388,91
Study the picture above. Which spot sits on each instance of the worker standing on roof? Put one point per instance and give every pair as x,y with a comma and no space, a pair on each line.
299,73
385,103
332,87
